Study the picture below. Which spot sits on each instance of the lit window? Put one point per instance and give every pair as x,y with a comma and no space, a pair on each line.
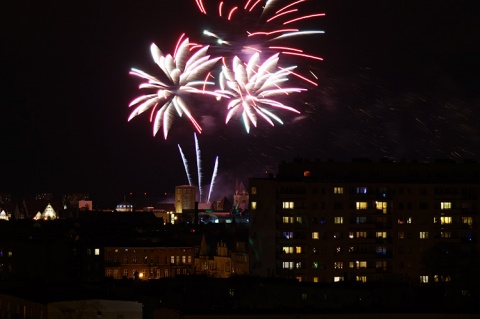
97,252
253,205
361,205
338,265
361,264
315,279
288,265
287,220
424,279
288,250
409,220
361,278
287,205
254,190
338,220
446,205
306,173
189,259
288,234
338,190
381,264
361,190
351,234
298,219
315,235
315,264
298,250
381,206
381,234
361,234
172,259
298,265
125,273
184,259
337,278
445,220
424,234
467,220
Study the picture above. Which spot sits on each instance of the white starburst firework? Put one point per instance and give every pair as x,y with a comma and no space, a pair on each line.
251,87
184,74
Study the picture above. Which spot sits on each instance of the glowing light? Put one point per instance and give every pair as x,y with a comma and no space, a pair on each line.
199,167
304,17
251,86
212,181
181,73
185,164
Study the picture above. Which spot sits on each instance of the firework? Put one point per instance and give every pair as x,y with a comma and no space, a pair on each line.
212,181
260,26
184,74
199,167
251,87
185,164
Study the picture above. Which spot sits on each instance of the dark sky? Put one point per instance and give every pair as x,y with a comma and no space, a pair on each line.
400,79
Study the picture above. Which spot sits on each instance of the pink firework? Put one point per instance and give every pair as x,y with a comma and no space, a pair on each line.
262,26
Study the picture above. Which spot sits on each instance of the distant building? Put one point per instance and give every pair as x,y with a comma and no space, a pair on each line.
184,198
240,198
366,221
148,262
48,214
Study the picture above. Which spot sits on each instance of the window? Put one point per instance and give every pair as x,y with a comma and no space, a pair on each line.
381,264
338,265
351,234
381,206
381,250
445,220
306,173
361,190
287,265
125,273
315,279
315,235
287,250
467,220
172,259
315,264
361,205
288,234
446,205
189,259
423,234
337,278
361,278
298,265
298,219
358,264
338,190
253,205
338,220
97,252
381,234
446,234
409,220
287,220
401,235
184,259
253,190
424,279
298,250
287,205
361,220
361,234
109,273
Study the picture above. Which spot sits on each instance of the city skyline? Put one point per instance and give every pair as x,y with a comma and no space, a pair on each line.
397,81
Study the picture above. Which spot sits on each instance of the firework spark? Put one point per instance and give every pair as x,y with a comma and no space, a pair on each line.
199,167
250,88
183,73
185,164
260,26
214,177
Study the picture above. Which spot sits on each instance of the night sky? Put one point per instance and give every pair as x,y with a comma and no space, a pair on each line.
400,79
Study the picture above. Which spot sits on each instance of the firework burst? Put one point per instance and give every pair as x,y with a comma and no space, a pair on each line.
251,87
183,75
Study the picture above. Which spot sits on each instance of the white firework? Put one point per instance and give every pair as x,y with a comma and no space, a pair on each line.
184,74
251,87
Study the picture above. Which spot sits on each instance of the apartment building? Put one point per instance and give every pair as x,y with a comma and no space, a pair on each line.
385,221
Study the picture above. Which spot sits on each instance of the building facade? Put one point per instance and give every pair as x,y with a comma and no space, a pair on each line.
366,221
148,262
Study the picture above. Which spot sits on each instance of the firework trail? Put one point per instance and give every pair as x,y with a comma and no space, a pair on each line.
185,164
183,73
251,86
260,26
199,167
214,176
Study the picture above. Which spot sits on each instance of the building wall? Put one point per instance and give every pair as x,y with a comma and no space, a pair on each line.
327,222
148,262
